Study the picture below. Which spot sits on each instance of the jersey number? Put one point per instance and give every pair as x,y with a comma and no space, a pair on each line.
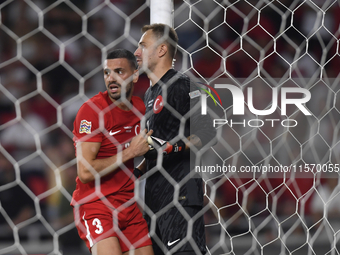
96,222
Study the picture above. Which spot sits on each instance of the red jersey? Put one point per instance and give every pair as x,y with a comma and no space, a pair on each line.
99,120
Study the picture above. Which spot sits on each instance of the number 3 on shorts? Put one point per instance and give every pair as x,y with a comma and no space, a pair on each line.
96,222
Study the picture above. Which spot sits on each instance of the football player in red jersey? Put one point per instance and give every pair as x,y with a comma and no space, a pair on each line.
107,138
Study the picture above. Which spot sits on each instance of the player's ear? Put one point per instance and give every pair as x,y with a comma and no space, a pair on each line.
135,76
163,49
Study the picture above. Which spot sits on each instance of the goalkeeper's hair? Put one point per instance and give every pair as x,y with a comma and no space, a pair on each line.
167,35
122,53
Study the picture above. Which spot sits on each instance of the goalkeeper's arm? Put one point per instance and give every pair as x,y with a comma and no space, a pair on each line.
167,148
140,169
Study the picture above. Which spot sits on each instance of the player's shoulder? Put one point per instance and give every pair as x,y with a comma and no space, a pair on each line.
179,78
183,83
97,102
138,102
136,99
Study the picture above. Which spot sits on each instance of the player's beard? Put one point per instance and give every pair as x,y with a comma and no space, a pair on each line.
147,68
147,64
117,96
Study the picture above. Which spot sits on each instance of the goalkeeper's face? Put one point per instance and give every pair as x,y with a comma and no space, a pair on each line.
146,53
119,78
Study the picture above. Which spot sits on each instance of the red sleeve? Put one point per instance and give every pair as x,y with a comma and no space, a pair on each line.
86,125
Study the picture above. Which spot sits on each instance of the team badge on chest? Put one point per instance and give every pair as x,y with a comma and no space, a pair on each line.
158,104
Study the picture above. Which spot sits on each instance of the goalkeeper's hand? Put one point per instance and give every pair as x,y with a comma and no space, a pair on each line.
138,173
167,148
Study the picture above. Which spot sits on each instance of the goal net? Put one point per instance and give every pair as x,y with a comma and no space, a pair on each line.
270,69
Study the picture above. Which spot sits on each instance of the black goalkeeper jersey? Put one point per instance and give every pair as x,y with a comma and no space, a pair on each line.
170,113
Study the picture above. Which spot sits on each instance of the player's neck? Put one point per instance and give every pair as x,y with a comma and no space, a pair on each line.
159,72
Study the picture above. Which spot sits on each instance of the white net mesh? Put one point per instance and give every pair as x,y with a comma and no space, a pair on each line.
50,63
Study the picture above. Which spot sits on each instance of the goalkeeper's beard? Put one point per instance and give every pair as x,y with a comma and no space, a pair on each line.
116,96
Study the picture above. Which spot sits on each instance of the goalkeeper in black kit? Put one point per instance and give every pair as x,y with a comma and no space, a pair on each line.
179,130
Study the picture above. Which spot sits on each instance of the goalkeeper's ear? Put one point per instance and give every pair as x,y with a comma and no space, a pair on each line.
163,50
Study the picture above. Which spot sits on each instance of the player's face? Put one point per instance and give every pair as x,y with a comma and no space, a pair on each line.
146,53
119,78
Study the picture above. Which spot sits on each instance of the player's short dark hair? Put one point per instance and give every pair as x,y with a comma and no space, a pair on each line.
170,36
122,53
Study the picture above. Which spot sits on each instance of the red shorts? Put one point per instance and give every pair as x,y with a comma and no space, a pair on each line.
97,221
